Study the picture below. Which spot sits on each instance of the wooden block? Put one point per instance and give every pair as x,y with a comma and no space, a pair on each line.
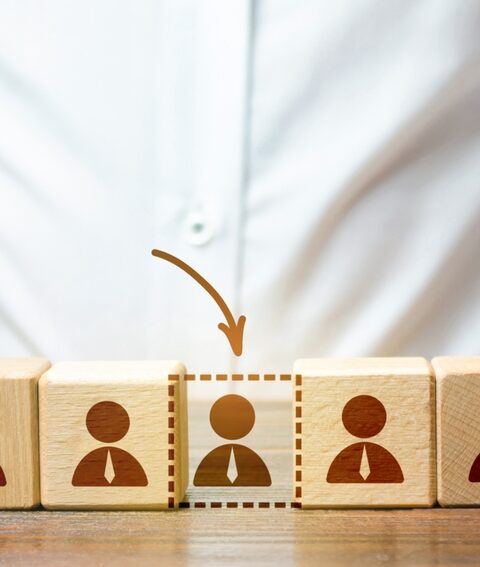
364,433
113,435
19,471
458,430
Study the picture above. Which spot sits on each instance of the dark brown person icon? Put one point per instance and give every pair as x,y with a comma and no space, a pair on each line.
474,475
108,422
364,462
3,479
232,417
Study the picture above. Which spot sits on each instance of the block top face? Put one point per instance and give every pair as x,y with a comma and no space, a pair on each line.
105,372
389,366
26,368
445,366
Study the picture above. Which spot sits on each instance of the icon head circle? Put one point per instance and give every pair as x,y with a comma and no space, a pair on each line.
232,416
364,416
107,422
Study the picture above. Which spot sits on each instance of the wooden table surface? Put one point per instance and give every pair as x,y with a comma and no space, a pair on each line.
242,536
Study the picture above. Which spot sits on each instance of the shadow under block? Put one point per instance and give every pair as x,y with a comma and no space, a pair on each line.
367,433
458,430
113,435
19,474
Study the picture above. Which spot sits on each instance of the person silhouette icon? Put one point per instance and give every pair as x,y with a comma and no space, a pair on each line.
364,462
232,417
474,475
108,422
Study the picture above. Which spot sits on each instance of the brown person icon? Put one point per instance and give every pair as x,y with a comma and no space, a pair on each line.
108,422
232,417
3,479
364,462
474,475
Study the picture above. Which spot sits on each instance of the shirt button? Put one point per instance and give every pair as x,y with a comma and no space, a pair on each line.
197,229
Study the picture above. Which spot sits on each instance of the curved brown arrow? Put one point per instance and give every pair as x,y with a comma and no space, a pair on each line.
233,329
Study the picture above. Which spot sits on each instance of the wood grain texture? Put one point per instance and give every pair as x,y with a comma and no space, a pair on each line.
69,390
441,537
458,429
181,433
330,450
19,431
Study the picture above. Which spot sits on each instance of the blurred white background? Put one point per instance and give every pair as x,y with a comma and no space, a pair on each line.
317,161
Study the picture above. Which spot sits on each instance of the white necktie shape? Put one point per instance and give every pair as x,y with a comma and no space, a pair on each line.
109,470
232,472
364,469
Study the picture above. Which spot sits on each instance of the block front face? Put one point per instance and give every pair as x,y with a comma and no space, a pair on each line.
367,433
458,430
19,470
106,435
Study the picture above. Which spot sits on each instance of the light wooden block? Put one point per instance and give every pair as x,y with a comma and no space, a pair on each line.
458,430
19,470
386,457
132,409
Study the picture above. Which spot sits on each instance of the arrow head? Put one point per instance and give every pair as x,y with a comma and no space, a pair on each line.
234,333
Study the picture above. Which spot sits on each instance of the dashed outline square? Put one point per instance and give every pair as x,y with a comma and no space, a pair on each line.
297,408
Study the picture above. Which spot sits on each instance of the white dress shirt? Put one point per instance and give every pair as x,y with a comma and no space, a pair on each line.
318,162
